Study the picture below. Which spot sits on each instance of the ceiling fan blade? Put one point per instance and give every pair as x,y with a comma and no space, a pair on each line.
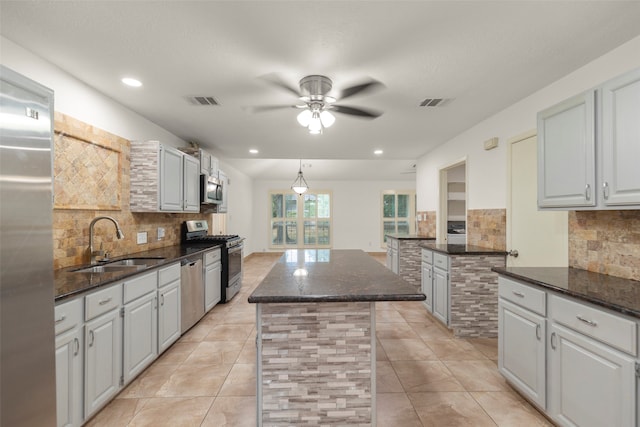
361,88
264,108
360,112
277,81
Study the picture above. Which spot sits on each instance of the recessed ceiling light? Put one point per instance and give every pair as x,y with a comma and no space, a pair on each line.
253,151
131,82
378,152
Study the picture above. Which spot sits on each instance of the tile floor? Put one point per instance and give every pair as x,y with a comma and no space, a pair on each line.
425,377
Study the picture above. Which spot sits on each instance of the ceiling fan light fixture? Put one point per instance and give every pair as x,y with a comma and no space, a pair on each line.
315,124
304,118
327,118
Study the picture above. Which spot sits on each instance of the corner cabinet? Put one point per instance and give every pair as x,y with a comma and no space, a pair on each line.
588,148
163,179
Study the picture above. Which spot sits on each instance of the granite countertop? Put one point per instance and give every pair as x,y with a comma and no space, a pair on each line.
324,275
401,236
461,249
68,283
615,293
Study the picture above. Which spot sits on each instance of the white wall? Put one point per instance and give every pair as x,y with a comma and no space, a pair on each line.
487,170
76,99
356,211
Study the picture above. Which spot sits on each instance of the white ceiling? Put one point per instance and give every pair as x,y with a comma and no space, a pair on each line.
486,55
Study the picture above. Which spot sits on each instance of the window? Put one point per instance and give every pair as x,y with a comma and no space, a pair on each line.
300,221
398,213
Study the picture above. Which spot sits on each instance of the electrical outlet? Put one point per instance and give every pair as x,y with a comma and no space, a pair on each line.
142,237
160,233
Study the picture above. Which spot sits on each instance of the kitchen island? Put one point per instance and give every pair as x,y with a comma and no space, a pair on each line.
316,338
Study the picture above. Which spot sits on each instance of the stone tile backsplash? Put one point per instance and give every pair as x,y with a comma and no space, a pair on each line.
71,226
487,228
606,242
426,223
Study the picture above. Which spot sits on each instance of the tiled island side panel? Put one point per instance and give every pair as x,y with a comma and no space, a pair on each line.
316,364
474,295
410,259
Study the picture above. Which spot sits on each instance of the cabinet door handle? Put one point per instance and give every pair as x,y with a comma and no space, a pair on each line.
91,338
605,190
105,301
587,321
587,191
61,319
161,299
553,335
76,343
538,330
518,294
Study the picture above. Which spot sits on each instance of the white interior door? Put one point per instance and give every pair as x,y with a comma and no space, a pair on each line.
539,237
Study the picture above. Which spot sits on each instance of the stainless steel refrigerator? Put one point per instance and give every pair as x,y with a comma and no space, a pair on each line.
27,370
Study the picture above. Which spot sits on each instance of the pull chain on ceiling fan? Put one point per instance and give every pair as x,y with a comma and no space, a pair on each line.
318,106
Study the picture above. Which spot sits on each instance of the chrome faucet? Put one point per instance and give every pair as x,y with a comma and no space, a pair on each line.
119,235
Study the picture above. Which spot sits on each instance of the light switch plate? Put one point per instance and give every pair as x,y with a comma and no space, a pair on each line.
142,237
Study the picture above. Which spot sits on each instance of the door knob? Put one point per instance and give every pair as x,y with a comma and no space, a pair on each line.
513,253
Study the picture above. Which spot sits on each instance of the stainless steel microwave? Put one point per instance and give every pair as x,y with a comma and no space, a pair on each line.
210,190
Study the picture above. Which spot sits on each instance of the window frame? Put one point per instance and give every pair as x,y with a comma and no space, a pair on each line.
300,220
411,219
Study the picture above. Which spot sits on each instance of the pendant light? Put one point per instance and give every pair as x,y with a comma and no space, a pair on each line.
300,184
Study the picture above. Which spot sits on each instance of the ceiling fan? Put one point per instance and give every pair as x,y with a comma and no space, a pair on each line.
317,105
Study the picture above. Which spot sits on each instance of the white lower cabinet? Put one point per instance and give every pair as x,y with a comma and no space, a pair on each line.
591,355
168,315
103,360
69,351
441,295
140,336
426,286
592,385
212,279
521,350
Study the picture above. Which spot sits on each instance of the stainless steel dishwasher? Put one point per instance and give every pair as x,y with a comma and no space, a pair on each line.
191,292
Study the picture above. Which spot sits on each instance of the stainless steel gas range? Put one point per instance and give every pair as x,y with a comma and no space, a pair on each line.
194,233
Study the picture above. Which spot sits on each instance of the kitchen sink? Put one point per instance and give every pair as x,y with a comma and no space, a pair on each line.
123,265
109,268
135,262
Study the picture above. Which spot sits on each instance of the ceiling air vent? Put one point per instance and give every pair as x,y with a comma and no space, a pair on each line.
435,102
202,100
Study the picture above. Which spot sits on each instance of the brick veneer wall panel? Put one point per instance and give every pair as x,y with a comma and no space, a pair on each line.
474,295
317,363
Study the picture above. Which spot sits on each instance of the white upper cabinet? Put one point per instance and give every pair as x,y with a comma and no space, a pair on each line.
191,185
171,181
566,153
620,153
163,179
589,147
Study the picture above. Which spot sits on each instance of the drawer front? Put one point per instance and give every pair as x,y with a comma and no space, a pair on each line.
212,257
169,274
524,295
68,315
441,261
139,286
608,328
427,256
102,301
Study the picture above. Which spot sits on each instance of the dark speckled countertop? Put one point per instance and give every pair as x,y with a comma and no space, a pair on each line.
69,283
615,293
324,275
460,249
400,236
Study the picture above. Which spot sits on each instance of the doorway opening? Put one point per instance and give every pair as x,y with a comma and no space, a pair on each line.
452,209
